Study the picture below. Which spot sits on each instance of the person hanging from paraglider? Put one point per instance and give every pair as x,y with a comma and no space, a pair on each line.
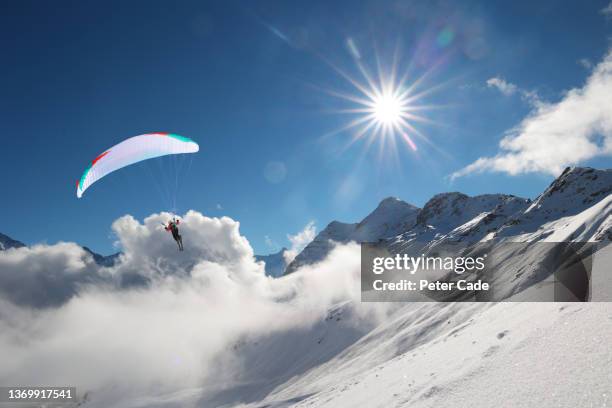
173,228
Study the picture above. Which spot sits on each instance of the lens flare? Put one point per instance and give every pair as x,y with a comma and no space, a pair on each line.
385,107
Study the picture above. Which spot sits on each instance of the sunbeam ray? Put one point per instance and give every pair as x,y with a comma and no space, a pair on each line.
386,105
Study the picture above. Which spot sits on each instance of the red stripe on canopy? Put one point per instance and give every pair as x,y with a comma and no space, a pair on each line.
99,157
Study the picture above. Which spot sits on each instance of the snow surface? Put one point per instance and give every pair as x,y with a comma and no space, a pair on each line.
425,355
468,355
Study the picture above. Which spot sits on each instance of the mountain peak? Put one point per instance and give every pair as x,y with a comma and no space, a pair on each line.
575,189
390,218
7,242
391,201
394,202
572,174
439,204
449,210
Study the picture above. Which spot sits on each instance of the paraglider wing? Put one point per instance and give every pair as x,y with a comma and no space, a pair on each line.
134,150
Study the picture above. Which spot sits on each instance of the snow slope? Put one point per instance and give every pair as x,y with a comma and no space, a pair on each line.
422,355
476,355
563,209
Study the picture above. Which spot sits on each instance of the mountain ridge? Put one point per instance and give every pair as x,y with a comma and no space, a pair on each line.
456,216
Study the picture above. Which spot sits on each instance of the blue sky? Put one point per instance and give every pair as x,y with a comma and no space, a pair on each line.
251,82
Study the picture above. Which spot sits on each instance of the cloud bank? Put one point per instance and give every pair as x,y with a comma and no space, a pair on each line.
161,320
555,135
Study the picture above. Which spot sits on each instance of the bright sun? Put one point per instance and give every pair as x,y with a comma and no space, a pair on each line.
384,108
387,109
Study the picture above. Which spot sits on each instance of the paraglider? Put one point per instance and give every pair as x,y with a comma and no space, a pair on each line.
134,150
173,228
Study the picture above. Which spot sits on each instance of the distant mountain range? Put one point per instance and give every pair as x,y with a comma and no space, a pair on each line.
577,206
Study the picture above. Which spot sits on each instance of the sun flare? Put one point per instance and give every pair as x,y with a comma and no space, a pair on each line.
388,109
385,106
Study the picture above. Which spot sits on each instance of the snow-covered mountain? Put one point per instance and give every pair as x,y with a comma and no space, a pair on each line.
445,355
575,207
420,355
390,218
457,217
7,242
275,263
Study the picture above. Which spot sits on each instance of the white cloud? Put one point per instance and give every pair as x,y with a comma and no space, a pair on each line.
149,249
508,89
502,85
607,11
585,63
46,275
170,334
555,135
49,275
299,241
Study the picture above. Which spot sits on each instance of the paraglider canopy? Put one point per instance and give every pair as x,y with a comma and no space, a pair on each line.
134,150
